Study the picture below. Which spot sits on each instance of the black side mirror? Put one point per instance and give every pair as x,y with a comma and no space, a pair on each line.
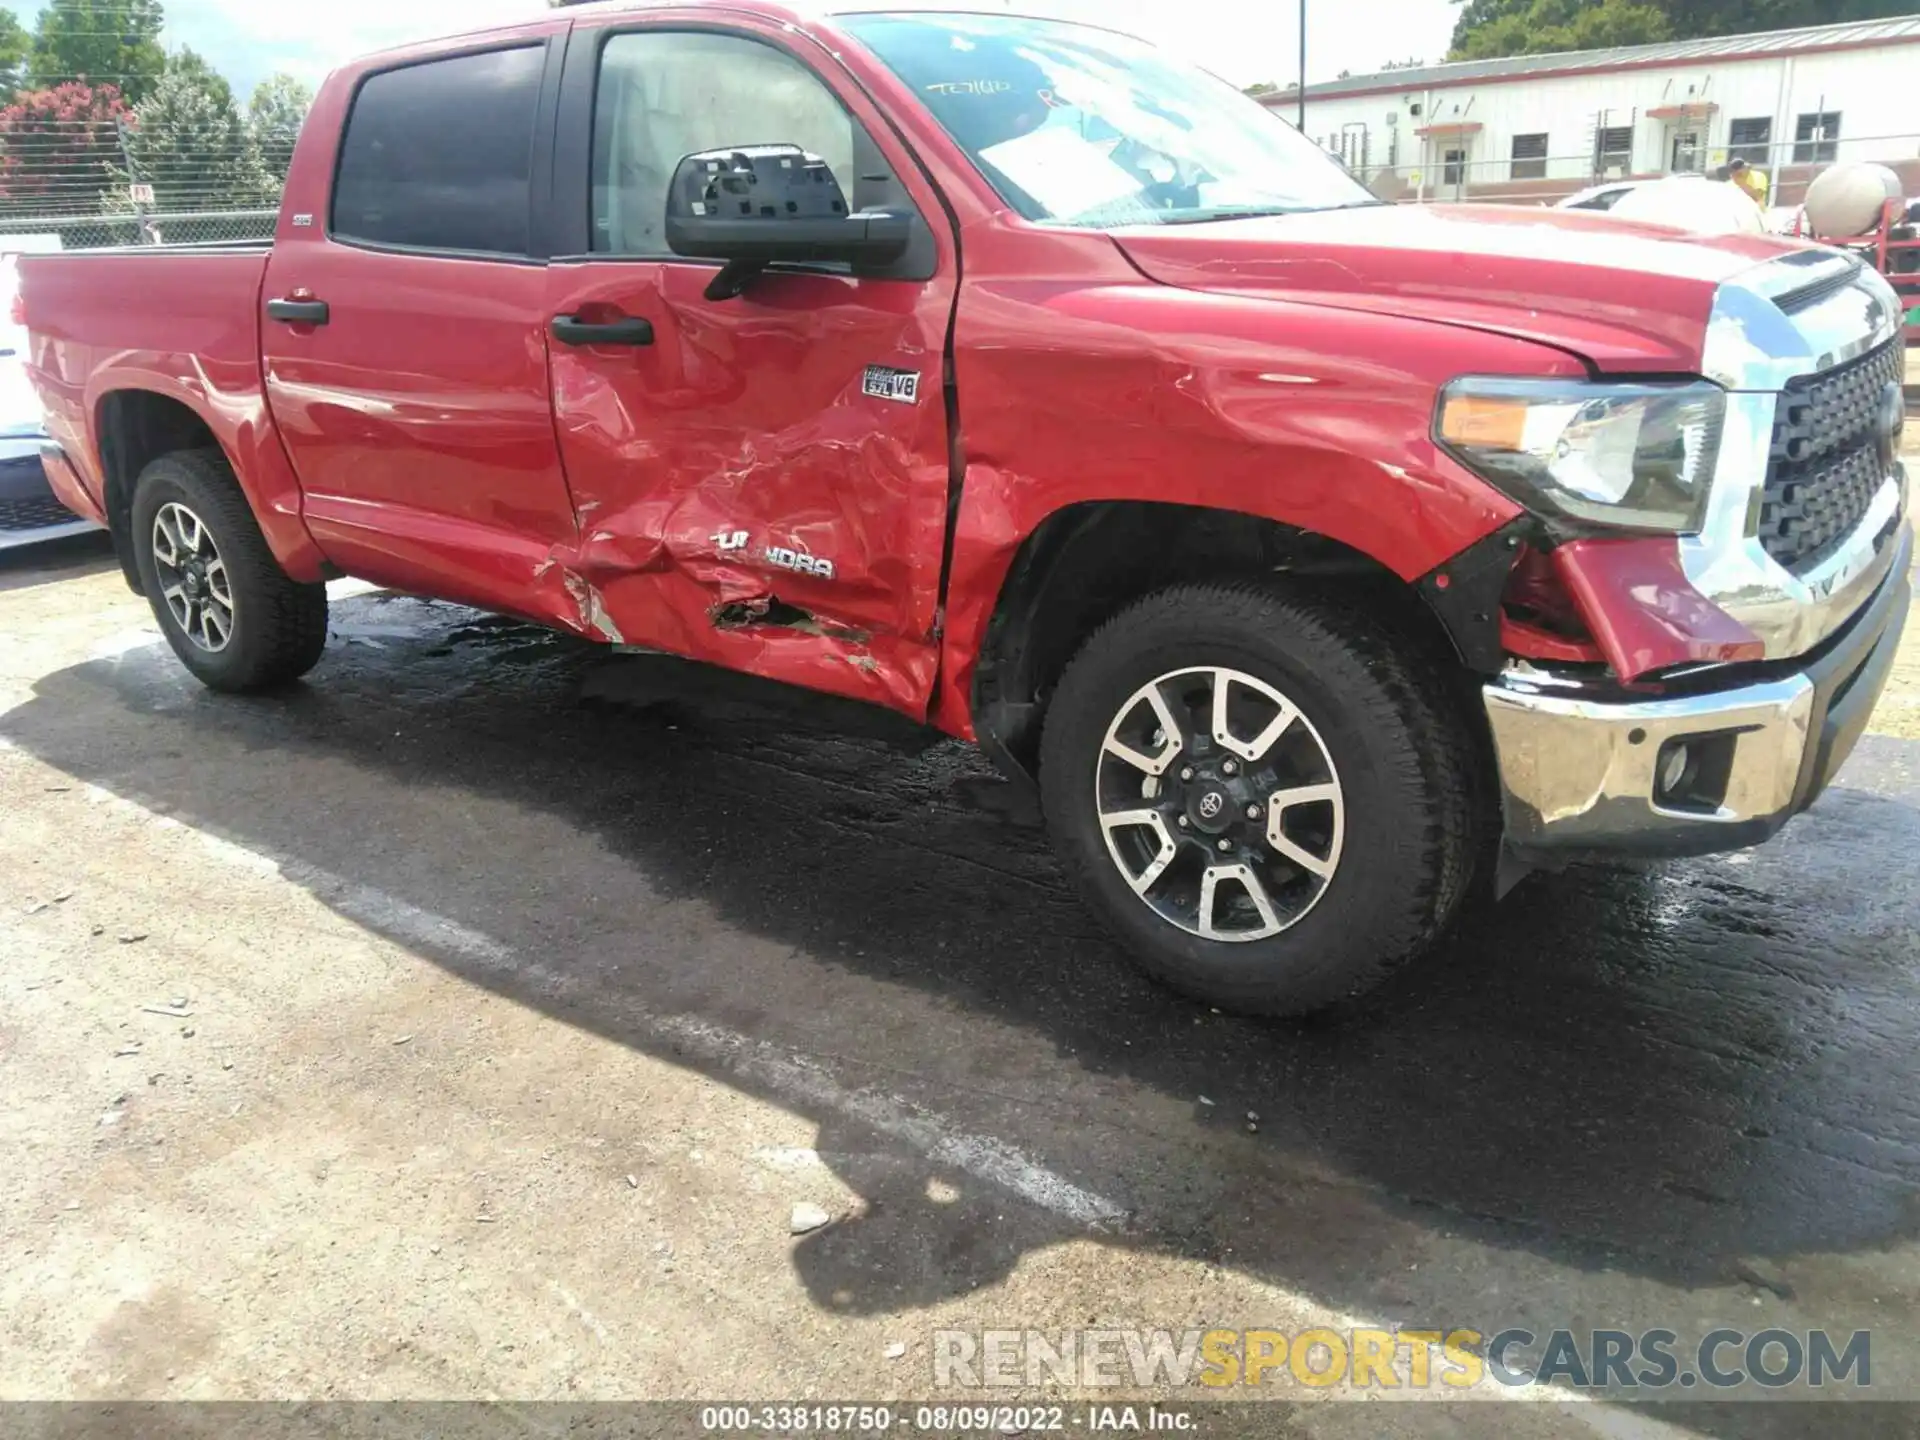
757,205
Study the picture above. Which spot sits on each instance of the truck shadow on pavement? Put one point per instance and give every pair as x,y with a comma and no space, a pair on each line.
1677,1076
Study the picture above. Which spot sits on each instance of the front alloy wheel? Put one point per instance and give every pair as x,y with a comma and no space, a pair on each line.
1220,804
1264,793
193,578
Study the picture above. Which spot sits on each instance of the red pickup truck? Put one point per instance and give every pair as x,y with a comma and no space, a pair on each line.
1319,559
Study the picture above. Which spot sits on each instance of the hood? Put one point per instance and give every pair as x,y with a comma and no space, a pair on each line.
1622,295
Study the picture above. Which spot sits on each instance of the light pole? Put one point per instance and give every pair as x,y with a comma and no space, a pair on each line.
1302,112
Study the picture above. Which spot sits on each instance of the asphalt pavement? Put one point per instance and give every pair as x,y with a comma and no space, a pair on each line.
585,969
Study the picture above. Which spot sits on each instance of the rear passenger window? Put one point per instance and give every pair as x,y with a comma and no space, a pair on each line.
438,156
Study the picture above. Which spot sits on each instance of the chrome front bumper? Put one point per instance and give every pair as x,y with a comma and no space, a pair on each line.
1580,766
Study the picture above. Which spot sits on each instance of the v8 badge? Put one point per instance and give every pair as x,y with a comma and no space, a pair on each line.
883,382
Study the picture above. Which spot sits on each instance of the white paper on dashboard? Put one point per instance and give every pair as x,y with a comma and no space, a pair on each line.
1070,176
1215,193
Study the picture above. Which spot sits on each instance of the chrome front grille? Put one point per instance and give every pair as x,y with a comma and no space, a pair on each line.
1797,375
1826,461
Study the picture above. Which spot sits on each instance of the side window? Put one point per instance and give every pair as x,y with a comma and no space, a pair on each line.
665,94
438,156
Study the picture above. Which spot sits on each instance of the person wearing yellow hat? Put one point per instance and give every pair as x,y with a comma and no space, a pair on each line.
1750,178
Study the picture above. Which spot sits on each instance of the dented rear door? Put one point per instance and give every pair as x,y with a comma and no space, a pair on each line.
759,481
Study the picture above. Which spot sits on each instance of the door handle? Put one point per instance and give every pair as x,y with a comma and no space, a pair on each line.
569,331
299,312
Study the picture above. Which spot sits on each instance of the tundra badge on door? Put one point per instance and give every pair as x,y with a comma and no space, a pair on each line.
798,561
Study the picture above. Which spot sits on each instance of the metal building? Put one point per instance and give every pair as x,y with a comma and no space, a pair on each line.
1540,126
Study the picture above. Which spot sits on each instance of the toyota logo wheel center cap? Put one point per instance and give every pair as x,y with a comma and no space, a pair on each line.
1211,808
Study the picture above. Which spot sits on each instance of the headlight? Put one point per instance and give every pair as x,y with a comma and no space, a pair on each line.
1633,457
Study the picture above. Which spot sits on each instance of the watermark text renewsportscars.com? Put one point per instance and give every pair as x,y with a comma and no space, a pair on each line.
1457,1360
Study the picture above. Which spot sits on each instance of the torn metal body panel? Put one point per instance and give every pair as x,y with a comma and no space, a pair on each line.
592,609
1643,613
748,457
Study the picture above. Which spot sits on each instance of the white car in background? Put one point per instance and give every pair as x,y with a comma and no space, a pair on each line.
1691,202
1596,197
29,514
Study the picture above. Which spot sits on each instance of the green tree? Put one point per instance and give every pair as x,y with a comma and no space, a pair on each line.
192,67
1488,28
1733,17
196,152
274,116
105,42
14,44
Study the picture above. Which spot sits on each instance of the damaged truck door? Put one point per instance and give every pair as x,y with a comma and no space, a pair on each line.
763,481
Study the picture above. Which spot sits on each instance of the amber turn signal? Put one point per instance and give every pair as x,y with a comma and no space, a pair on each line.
1484,422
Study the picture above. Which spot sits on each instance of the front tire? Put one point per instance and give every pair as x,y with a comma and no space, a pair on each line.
236,619
1266,798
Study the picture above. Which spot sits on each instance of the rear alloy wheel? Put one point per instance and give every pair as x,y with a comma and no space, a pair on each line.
1266,796
1220,804
193,578
233,616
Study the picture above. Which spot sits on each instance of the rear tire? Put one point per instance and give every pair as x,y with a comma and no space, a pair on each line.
1277,880
236,619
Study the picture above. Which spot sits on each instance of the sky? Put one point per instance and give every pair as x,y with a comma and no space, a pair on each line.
1244,40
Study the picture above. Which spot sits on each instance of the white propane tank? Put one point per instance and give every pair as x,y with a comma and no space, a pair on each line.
1847,199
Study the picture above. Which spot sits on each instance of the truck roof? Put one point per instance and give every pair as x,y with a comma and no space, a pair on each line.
796,9
796,12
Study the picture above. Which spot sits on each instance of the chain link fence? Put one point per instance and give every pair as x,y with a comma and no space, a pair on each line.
87,182
95,232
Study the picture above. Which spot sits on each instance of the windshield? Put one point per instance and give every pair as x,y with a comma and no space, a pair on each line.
1079,126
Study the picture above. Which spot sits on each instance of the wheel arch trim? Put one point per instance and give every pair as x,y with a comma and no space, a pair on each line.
1006,662
125,410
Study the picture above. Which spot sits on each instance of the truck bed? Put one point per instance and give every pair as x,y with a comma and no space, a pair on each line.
93,304
179,325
